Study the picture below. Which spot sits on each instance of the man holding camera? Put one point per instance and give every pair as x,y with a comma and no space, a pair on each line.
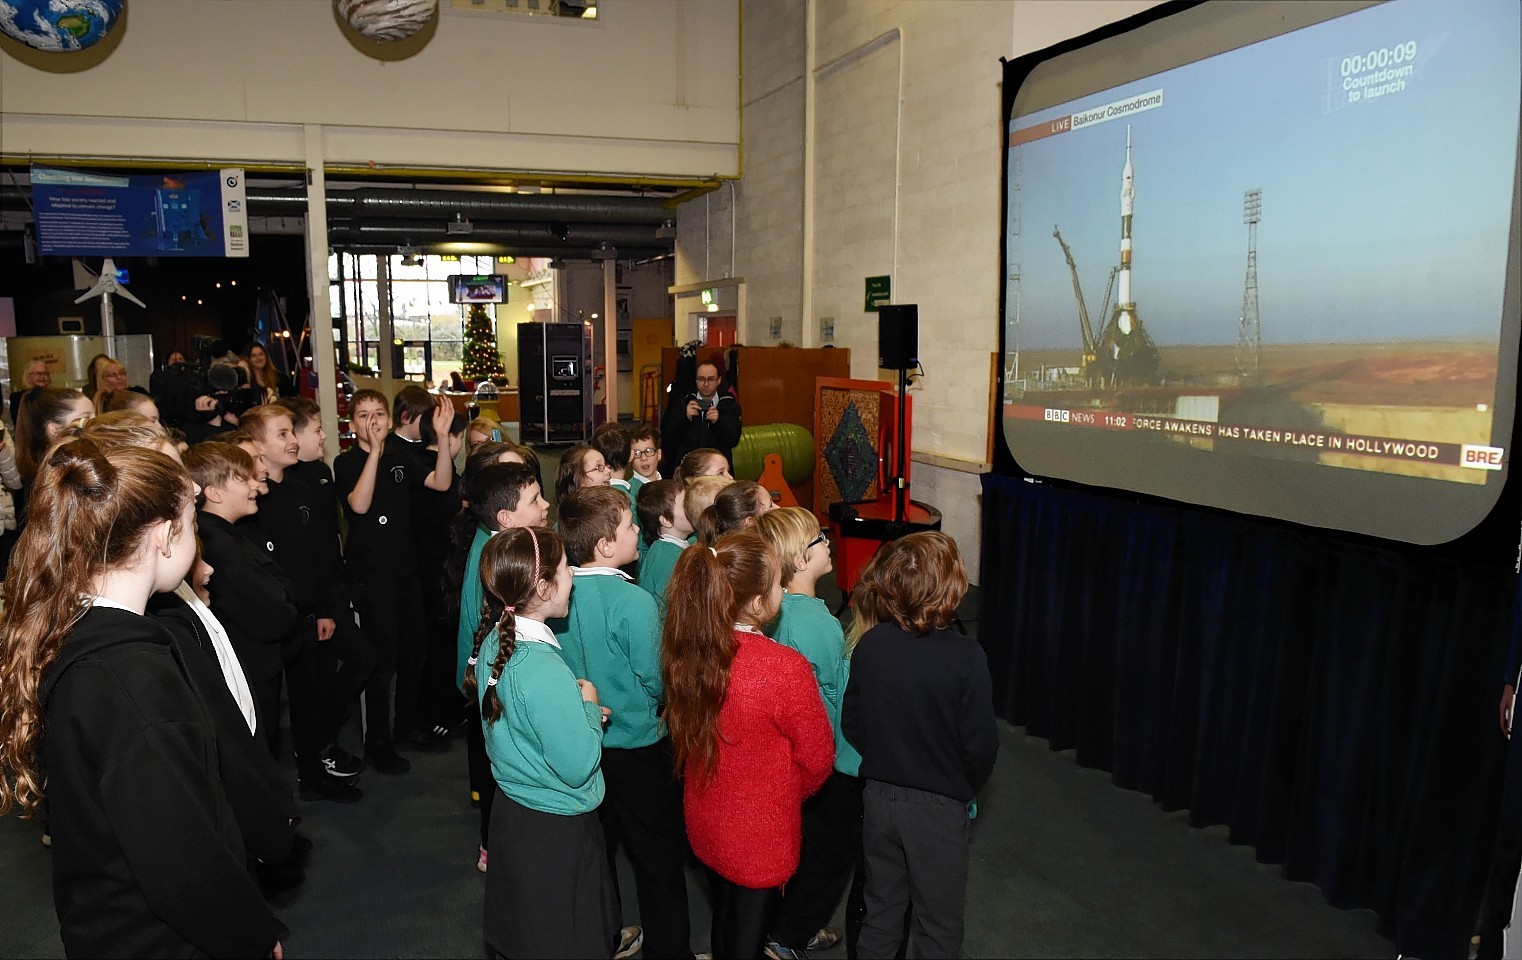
204,398
707,418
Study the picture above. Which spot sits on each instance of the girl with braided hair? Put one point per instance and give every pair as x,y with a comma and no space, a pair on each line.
550,892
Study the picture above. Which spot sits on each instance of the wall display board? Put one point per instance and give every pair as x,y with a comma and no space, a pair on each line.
1265,258
82,213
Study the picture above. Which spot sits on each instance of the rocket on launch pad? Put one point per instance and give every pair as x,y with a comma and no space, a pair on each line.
1124,303
1133,355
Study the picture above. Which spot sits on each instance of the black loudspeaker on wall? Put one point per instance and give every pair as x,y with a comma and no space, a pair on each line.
898,336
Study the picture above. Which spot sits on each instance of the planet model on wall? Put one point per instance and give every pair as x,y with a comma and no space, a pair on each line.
59,26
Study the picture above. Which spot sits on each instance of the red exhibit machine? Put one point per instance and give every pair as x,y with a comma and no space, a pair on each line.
863,463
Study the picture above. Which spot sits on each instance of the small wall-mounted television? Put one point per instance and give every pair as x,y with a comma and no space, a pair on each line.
490,288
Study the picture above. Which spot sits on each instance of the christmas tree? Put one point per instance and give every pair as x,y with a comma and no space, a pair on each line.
482,361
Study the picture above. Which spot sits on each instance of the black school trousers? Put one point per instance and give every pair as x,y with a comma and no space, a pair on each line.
831,836
916,846
390,608
643,809
342,664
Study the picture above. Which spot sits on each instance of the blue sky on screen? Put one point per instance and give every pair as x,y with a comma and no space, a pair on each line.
1384,219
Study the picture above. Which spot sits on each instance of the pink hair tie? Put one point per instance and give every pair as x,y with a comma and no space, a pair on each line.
492,682
471,662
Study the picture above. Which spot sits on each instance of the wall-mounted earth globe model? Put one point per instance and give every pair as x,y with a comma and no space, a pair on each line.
59,26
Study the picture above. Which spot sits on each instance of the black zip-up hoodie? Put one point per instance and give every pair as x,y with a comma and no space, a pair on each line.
147,857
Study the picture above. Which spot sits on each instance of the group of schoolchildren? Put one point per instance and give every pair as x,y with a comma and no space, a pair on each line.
657,672
653,671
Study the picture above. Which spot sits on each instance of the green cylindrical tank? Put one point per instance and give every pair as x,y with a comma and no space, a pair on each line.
793,443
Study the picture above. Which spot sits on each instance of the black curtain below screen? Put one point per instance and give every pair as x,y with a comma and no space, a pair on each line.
1332,704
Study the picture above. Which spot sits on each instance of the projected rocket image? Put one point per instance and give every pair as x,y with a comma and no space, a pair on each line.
1123,353
1373,344
1216,398
1293,276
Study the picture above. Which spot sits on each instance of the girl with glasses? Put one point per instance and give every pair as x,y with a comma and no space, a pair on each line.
582,466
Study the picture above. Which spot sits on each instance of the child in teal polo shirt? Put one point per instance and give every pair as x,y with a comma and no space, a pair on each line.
832,817
551,891
644,456
664,529
502,496
612,638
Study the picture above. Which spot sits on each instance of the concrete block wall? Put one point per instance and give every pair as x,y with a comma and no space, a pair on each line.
907,164
762,213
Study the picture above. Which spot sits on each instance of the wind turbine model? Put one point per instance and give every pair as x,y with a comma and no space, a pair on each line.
105,285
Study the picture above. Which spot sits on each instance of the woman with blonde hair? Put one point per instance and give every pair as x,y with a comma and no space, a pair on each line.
107,377
147,857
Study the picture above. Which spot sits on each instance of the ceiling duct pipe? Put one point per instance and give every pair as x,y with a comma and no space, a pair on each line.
376,202
521,251
539,234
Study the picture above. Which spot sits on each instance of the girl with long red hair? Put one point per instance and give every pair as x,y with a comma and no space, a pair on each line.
748,730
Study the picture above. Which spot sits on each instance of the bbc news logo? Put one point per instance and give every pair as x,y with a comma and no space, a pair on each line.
1058,416
1476,457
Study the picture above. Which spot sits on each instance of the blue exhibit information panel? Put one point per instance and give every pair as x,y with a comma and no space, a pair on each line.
183,214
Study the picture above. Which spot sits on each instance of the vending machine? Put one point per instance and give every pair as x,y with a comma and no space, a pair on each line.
555,382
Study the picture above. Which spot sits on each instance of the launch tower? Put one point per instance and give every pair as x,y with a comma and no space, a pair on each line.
1250,334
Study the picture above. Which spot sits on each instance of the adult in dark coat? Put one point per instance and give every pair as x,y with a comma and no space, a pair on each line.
708,416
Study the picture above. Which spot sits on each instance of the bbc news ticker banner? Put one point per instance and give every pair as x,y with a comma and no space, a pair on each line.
1472,456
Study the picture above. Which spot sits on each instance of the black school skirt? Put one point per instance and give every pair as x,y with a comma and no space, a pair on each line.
549,891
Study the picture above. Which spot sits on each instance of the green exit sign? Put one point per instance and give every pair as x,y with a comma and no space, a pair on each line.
879,292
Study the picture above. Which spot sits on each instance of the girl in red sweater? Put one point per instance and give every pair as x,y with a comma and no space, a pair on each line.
748,729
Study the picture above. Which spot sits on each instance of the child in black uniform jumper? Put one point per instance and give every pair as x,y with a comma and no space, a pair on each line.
375,480
346,657
919,709
433,512
147,856
254,599
287,527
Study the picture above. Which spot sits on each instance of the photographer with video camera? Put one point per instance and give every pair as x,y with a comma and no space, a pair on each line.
706,417
207,396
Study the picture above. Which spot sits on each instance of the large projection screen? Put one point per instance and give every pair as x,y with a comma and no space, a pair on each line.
1264,257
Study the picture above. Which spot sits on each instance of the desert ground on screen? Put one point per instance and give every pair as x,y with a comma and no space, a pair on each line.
1429,374
1423,390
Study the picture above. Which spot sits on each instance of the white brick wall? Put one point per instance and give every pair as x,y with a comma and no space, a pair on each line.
910,190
